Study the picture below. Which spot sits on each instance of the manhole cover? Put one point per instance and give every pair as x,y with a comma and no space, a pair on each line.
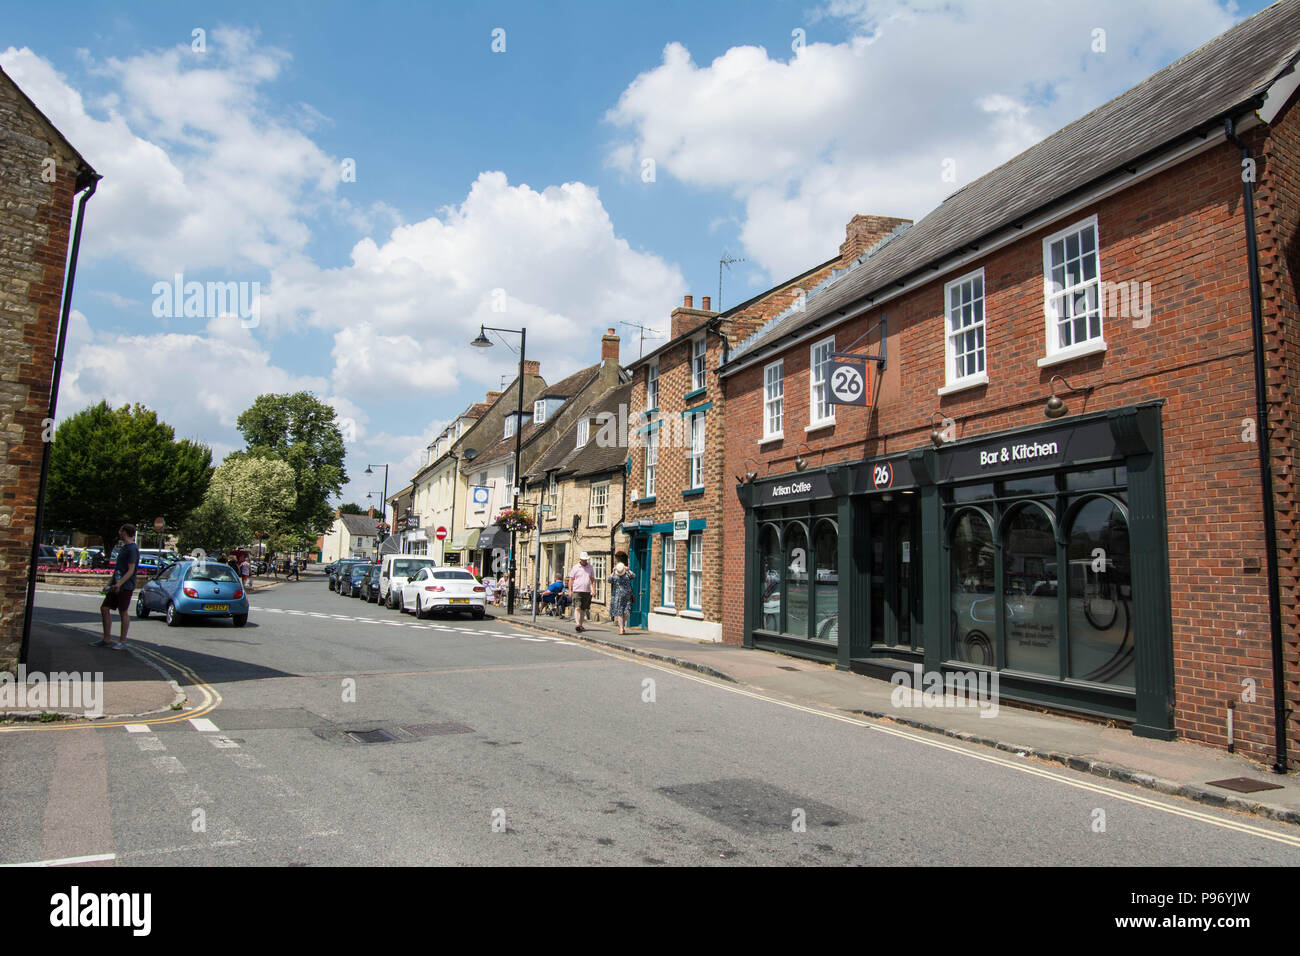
379,736
436,730
1244,785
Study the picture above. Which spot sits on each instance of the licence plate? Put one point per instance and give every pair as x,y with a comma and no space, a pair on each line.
458,600
216,607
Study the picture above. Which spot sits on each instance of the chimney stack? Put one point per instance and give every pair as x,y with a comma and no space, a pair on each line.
370,512
686,317
863,232
609,347
688,302
532,367
706,304
491,397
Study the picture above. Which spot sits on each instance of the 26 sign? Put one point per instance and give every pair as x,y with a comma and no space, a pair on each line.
850,379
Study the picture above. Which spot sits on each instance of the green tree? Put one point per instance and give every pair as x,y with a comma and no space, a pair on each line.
260,490
350,509
213,526
301,431
109,466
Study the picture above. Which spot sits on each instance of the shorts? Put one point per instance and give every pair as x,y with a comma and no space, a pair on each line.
119,600
582,600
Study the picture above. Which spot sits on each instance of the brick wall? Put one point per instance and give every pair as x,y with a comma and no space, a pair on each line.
35,221
1183,232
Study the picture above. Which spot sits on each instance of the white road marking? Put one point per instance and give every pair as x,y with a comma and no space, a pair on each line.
203,725
539,640
69,860
167,764
189,794
149,743
138,729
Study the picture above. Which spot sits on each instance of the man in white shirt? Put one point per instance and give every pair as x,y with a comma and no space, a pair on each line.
580,578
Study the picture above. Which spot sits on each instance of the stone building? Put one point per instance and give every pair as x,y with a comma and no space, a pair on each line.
40,175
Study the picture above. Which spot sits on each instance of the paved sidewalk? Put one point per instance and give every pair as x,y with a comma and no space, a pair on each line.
1172,767
132,686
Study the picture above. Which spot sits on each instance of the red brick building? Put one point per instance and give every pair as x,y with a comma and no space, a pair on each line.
42,173
1095,540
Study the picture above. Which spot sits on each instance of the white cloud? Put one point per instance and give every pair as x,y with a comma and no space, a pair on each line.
865,125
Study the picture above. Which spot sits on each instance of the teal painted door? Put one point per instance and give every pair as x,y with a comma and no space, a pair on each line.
640,558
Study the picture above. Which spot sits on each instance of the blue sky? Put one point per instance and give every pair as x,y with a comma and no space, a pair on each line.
485,177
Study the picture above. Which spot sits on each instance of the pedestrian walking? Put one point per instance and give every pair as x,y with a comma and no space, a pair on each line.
293,569
580,580
246,574
84,560
620,592
118,593
490,589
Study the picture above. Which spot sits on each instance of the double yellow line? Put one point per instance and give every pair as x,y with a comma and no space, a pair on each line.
211,701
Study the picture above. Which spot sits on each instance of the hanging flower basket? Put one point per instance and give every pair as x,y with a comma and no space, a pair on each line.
515,520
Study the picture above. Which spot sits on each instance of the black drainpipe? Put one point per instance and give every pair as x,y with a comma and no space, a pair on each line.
84,179
1265,455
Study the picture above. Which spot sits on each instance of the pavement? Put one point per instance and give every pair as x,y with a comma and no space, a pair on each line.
1173,767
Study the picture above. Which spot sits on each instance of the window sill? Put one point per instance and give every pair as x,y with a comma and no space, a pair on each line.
961,385
693,493
770,439
693,615
696,393
1073,352
818,426
644,501
663,610
650,412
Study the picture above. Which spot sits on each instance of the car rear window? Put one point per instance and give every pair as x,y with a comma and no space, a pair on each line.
217,573
453,575
409,569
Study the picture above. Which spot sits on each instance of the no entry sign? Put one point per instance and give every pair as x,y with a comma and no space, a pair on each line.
441,533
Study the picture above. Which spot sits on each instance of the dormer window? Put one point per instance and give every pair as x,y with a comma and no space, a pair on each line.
510,424
584,431
539,411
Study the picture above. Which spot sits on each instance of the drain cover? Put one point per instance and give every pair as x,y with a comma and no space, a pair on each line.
379,736
1244,785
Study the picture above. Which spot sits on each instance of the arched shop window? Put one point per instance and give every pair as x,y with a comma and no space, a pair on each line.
826,582
1029,591
796,581
770,567
1100,594
973,588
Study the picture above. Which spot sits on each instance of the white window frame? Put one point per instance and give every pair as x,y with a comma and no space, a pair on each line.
774,400
1055,352
668,572
599,571
952,381
699,362
599,504
552,493
584,431
819,393
695,571
511,424
697,451
652,386
539,411
651,461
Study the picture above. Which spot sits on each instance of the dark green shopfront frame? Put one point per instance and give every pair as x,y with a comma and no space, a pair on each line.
1130,436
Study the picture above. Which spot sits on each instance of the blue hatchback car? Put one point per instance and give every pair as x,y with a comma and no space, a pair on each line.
193,588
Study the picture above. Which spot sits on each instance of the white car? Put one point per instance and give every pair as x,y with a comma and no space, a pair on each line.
394,571
444,589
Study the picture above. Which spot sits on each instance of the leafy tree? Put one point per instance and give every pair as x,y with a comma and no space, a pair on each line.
259,490
351,509
109,466
213,526
301,431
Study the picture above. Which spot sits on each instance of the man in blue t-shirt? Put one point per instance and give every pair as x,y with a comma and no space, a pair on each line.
118,593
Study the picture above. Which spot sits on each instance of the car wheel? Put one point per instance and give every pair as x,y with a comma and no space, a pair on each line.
401,603
174,616
141,610
478,613
240,619
419,609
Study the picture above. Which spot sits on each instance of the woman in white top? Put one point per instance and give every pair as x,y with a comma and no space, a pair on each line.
490,586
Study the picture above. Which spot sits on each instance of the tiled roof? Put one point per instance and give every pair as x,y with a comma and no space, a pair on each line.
359,524
568,387
566,458
1217,80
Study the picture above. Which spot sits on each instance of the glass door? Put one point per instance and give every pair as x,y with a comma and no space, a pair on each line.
894,572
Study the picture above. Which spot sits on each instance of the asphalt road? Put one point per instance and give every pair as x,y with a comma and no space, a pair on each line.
513,747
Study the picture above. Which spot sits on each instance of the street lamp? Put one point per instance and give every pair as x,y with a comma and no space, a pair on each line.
483,342
383,505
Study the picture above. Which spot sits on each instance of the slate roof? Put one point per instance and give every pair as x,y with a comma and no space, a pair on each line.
359,525
566,458
567,387
1193,94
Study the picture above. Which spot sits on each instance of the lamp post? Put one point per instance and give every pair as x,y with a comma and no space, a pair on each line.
383,504
483,342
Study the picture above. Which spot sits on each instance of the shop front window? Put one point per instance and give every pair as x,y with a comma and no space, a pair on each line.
1029,592
796,583
769,616
973,589
1100,595
826,583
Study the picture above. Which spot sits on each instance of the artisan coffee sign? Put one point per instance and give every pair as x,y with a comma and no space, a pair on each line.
1020,451
798,488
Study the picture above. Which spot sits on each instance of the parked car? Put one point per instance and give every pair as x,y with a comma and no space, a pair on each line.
444,589
350,581
395,571
339,569
370,586
193,588
47,557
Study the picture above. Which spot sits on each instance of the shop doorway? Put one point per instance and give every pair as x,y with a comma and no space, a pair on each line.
639,555
895,564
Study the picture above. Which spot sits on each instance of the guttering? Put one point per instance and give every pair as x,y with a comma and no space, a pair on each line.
1265,451
85,179
1196,142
